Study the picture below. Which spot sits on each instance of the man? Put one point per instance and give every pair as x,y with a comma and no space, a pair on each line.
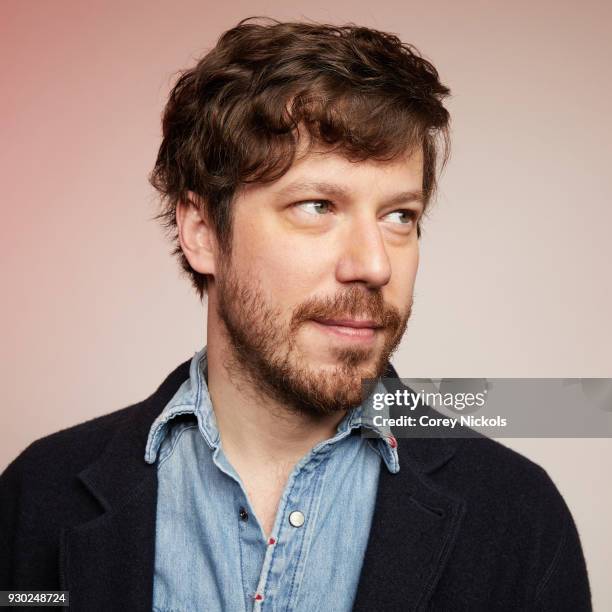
296,166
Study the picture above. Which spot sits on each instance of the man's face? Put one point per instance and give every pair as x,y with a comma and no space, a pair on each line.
329,242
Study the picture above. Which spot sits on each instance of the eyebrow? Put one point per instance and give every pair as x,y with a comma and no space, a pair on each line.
338,191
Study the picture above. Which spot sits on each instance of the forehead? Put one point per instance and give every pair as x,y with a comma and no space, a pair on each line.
320,170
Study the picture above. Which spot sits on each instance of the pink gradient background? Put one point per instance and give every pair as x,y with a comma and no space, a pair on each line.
515,265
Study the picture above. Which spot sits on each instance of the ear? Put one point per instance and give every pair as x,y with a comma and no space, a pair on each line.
196,236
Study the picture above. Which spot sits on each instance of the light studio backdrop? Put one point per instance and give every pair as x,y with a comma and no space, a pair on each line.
515,256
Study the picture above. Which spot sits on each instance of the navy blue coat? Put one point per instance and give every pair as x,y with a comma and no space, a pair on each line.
466,524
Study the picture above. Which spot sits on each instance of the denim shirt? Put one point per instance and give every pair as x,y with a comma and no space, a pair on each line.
211,552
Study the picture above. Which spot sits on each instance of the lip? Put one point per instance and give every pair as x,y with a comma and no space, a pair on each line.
355,323
349,329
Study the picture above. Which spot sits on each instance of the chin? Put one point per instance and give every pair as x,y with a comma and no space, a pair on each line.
340,362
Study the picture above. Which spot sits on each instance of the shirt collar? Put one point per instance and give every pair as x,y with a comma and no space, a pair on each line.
192,397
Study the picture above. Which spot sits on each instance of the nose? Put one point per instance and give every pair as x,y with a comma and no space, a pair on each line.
363,257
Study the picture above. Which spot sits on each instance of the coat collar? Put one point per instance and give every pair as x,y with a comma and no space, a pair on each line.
110,559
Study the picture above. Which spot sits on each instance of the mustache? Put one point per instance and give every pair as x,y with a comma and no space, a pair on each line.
354,303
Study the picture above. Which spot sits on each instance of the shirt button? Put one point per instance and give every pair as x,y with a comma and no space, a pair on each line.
244,515
296,518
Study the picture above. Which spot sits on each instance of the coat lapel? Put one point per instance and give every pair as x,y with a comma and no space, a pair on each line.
413,528
108,563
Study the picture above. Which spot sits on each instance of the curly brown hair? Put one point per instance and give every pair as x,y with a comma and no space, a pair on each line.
232,119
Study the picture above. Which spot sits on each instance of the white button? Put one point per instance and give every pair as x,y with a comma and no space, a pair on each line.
296,518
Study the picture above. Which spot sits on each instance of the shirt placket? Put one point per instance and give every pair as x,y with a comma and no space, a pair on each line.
287,548
251,543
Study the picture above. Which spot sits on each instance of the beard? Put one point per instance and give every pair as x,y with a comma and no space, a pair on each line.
264,353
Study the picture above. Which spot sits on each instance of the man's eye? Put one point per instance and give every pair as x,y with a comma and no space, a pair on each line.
404,217
315,207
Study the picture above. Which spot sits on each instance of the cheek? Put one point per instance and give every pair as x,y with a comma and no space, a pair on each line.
286,269
292,273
